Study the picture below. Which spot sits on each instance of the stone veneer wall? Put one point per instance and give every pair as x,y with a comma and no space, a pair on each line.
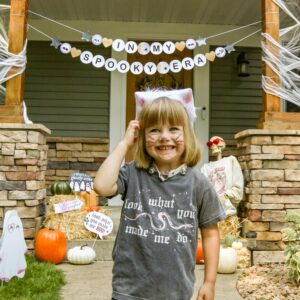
68,155
270,160
23,163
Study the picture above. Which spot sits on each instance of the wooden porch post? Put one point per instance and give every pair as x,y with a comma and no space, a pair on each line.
11,112
271,117
270,25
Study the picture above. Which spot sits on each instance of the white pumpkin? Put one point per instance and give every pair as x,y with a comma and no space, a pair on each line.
81,255
228,260
237,245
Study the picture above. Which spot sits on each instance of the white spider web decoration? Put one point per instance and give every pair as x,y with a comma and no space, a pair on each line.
284,57
11,64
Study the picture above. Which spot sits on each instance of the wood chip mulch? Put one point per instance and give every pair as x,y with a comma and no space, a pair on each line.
267,282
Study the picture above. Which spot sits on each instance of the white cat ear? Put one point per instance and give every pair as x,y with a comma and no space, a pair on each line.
184,96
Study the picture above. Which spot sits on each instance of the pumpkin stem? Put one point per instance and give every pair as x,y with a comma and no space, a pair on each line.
85,245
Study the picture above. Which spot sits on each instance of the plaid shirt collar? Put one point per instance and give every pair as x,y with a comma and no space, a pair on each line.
163,177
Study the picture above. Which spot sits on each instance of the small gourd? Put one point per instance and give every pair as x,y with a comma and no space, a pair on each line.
228,260
60,188
229,239
237,245
81,255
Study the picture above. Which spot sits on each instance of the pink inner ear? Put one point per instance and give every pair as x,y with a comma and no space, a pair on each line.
141,102
187,98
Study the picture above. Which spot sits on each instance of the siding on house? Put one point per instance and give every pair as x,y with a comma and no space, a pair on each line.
235,102
67,96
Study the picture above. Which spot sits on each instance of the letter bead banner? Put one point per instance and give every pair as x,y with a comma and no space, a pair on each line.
143,48
136,68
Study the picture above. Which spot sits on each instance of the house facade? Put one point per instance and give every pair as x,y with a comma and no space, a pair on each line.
87,109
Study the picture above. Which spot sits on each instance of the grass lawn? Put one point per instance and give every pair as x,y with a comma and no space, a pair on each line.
42,281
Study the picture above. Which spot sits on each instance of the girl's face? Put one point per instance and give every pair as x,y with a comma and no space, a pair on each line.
165,144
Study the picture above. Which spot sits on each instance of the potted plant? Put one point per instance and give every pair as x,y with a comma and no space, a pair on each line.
291,237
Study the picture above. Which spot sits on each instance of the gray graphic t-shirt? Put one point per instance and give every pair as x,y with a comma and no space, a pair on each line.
154,252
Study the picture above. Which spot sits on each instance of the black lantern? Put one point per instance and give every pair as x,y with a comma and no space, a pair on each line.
242,65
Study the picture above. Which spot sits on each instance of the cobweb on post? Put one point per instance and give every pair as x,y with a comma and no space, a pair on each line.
283,57
11,64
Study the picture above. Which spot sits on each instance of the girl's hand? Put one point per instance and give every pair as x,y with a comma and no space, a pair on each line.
131,133
206,292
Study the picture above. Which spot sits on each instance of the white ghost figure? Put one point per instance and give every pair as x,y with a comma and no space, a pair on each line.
12,247
88,187
82,186
76,187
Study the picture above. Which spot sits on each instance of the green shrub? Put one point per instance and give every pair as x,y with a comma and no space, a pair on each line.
291,236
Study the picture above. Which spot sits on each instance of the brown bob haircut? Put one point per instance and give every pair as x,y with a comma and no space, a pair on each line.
166,111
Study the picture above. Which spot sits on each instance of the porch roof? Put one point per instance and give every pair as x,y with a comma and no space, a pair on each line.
224,12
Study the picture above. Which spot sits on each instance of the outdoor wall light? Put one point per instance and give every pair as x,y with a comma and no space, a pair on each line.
242,65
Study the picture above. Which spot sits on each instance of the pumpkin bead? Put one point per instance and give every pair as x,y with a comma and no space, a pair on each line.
50,245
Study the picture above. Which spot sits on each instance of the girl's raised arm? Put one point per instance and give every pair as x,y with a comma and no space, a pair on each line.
105,183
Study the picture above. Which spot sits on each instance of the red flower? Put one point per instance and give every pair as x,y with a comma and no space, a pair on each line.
214,142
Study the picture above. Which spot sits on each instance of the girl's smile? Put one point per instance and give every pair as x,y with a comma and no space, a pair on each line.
165,144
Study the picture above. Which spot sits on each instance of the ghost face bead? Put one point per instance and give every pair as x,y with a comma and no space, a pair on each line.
97,39
65,48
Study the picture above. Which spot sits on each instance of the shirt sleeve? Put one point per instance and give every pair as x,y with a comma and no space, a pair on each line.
211,210
235,192
122,182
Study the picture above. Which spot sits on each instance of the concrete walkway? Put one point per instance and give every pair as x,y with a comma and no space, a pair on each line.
93,282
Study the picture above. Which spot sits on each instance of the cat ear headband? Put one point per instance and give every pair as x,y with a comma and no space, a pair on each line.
184,96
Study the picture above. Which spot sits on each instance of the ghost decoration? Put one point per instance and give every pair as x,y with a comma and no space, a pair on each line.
81,182
12,248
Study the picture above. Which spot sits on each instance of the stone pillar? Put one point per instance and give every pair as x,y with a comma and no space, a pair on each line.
23,163
270,160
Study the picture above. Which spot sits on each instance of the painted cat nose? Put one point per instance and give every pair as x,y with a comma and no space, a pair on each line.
164,135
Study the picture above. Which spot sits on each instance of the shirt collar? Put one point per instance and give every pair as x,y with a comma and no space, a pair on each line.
163,177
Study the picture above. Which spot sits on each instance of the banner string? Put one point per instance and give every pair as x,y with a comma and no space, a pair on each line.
82,32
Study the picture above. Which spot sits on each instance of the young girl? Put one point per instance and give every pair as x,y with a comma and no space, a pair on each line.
165,201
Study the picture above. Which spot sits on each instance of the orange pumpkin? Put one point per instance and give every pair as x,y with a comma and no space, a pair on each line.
199,253
50,245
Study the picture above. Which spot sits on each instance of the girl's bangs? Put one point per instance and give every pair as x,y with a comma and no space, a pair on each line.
164,112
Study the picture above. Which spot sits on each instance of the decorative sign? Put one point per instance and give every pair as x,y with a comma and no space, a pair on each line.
98,223
67,206
81,182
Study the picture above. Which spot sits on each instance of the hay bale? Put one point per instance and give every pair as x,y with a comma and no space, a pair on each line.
71,222
229,226
243,258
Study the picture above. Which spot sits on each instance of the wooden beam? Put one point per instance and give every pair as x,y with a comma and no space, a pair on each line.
270,25
17,36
